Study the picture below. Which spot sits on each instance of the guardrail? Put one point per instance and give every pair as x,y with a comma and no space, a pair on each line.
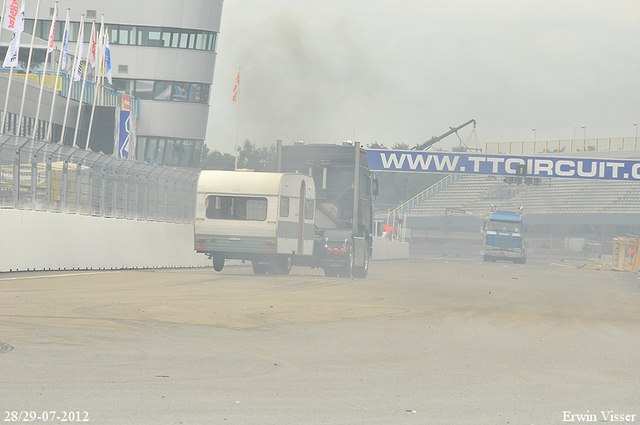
42,176
420,197
563,146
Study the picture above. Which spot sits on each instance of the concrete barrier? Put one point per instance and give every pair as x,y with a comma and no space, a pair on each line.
47,241
384,249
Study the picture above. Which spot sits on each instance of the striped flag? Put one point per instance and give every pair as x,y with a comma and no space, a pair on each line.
236,88
77,75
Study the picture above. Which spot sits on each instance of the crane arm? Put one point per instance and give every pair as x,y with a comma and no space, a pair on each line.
434,139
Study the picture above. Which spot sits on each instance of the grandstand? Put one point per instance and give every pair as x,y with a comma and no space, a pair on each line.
558,207
476,193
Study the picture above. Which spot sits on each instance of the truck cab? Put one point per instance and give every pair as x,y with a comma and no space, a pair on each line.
345,190
503,232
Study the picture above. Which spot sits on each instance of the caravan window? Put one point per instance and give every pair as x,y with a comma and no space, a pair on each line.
308,210
236,208
284,207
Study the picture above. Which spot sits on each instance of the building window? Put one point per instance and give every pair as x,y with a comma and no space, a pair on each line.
144,89
164,90
181,92
126,35
168,151
139,35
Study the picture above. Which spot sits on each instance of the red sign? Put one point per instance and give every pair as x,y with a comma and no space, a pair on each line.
125,102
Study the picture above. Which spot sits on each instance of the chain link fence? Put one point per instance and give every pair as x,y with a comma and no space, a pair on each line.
42,176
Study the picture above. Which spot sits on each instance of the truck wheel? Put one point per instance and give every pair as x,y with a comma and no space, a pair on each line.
347,268
218,262
284,264
361,272
330,272
485,258
280,265
259,268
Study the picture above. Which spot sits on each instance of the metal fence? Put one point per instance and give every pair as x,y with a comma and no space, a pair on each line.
41,176
563,146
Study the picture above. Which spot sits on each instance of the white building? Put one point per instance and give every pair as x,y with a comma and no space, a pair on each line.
163,54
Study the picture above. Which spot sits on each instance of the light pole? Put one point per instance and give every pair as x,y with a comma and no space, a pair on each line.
534,134
584,127
635,124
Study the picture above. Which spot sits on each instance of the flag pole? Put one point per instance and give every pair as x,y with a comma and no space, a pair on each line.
103,72
63,52
84,83
71,77
46,60
4,7
26,77
237,99
6,98
98,68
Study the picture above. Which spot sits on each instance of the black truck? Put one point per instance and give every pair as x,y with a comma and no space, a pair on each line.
345,191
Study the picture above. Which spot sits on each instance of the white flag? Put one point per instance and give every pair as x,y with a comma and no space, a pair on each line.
77,75
92,49
13,21
52,31
11,58
14,17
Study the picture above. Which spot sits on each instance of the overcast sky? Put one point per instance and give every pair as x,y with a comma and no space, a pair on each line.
402,72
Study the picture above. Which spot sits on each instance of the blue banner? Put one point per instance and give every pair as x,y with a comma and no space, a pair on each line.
124,142
503,165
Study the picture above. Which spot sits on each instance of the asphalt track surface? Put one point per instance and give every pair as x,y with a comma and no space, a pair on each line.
417,342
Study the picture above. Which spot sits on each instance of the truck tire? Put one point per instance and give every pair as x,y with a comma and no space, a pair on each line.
281,265
347,268
218,262
362,271
284,264
330,272
259,268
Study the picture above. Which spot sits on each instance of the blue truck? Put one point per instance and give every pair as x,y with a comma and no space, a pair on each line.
503,232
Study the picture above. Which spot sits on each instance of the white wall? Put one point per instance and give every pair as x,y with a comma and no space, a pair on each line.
384,249
42,241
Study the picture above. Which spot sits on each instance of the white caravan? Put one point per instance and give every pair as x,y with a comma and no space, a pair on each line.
267,218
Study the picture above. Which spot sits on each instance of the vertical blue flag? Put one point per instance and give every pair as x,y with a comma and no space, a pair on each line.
107,60
65,44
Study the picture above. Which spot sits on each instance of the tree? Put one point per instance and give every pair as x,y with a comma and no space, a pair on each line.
257,158
376,145
400,146
216,160
249,157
